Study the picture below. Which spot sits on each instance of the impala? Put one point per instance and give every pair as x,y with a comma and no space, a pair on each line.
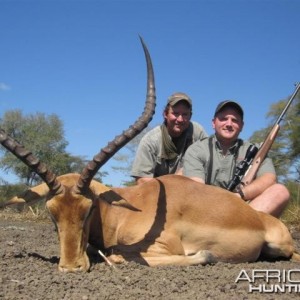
171,220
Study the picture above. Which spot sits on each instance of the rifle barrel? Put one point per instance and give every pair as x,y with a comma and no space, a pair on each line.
266,145
289,103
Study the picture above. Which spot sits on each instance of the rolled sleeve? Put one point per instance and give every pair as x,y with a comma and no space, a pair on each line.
266,167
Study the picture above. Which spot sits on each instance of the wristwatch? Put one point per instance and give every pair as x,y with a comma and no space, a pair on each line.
239,190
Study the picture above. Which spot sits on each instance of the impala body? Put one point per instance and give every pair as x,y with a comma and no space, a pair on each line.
170,220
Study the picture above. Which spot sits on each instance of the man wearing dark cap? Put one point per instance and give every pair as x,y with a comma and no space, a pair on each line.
213,161
161,150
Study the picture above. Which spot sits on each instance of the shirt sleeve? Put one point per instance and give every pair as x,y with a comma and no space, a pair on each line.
199,132
266,167
194,161
145,159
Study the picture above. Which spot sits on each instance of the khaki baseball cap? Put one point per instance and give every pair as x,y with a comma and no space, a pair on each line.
176,97
230,103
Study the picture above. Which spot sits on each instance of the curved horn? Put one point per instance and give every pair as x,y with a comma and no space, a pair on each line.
31,161
112,147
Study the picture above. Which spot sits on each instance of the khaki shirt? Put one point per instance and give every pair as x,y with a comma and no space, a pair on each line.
148,161
197,157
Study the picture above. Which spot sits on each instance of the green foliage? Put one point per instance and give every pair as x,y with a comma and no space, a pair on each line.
294,134
131,182
126,156
285,151
44,137
7,191
294,189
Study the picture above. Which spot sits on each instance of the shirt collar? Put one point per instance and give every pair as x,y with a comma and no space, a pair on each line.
232,149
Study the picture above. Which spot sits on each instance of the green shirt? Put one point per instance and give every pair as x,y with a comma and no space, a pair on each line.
197,157
148,161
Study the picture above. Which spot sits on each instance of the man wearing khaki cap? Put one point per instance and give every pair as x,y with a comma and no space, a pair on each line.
161,150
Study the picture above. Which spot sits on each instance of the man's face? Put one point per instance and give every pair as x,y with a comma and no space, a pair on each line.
178,118
227,124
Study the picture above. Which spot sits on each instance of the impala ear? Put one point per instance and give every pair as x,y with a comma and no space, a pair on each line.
30,196
12,201
114,199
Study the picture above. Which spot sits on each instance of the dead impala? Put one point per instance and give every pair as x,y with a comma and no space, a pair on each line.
170,220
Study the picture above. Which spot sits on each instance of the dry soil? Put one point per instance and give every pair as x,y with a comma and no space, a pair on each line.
29,255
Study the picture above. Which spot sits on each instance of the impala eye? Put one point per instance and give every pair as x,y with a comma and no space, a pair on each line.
54,221
88,214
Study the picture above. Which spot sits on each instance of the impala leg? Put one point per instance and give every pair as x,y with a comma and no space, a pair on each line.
278,240
202,257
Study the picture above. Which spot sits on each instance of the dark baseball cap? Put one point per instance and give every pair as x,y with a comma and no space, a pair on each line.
230,103
175,98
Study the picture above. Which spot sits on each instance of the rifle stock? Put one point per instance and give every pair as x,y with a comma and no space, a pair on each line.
266,145
260,156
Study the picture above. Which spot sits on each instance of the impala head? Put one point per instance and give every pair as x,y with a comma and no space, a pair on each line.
71,197
71,213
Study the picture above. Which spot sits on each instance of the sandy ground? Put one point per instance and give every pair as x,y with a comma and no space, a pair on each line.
29,254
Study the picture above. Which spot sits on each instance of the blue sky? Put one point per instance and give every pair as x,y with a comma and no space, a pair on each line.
83,61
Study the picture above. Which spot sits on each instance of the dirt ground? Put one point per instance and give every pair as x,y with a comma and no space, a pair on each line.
29,254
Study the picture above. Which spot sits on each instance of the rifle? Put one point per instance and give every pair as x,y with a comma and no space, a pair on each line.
242,168
247,169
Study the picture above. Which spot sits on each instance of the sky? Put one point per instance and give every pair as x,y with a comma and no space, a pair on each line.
83,61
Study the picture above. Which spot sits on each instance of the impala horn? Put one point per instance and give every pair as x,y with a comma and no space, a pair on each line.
31,161
119,141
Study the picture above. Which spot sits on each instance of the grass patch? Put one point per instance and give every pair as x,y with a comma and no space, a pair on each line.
27,214
291,215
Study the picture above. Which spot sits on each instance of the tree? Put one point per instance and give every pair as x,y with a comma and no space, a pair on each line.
295,136
285,150
126,156
44,137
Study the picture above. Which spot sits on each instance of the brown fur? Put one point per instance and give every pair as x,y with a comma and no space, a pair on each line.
170,220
